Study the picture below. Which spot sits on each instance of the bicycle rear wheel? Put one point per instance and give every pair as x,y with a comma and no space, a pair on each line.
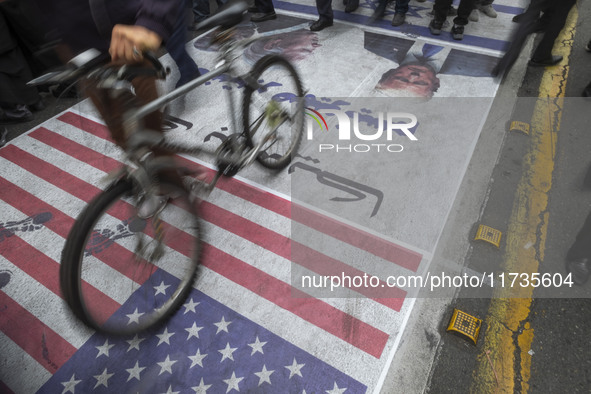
273,111
121,274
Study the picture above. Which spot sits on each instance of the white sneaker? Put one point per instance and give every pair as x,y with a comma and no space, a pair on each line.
473,15
488,10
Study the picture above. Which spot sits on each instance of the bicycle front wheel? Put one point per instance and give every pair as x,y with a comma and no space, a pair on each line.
123,272
273,111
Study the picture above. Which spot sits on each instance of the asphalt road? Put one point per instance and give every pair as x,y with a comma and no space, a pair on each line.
547,348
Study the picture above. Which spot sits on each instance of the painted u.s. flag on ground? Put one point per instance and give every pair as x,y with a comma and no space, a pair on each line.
244,328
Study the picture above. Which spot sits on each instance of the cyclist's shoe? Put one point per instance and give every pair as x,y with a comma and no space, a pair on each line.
151,206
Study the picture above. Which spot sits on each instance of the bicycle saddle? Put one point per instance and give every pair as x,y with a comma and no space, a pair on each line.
229,15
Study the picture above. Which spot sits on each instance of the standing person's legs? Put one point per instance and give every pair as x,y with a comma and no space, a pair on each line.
400,10
440,10
265,11
325,15
177,50
464,10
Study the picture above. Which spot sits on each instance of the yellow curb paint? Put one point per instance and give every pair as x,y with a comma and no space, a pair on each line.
508,336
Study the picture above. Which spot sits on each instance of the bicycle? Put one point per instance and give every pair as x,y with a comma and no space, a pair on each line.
148,217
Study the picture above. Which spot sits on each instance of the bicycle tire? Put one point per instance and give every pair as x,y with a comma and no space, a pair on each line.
288,102
102,289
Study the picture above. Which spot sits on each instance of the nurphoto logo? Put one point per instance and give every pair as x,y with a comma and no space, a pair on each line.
389,126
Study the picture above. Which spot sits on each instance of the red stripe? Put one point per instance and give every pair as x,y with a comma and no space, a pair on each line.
90,126
344,326
349,234
39,341
76,150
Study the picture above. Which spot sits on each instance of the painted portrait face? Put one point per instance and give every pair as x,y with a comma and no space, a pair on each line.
414,79
295,46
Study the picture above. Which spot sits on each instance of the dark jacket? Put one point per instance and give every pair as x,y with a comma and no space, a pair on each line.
74,23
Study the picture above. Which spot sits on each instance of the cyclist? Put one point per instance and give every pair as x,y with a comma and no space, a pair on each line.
124,29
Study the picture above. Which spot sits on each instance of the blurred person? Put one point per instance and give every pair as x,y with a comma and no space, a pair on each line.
554,14
123,30
441,10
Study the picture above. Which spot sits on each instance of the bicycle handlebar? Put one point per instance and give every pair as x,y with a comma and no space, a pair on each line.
93,62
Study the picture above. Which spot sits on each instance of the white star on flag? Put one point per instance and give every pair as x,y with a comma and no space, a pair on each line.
169,391
166,365
164,337
336,390
190,306
161,288
69,385
233,382
227,352
134,317
103,379
135,371
197,359
257,346
193,331
264,375
294,368
135,342
202,388
222,325
104,349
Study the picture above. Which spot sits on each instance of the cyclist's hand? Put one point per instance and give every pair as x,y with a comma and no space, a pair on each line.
128,42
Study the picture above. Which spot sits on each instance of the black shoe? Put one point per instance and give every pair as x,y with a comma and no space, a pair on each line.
263,16
378,13
15,114
551,61
588,47
517,18
398,19
320,24
457,32
351,6
435,27
579,270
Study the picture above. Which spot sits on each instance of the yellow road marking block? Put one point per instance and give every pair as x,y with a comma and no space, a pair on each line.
488,234
465,324
517,125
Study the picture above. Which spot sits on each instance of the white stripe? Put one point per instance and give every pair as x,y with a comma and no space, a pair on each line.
14,361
